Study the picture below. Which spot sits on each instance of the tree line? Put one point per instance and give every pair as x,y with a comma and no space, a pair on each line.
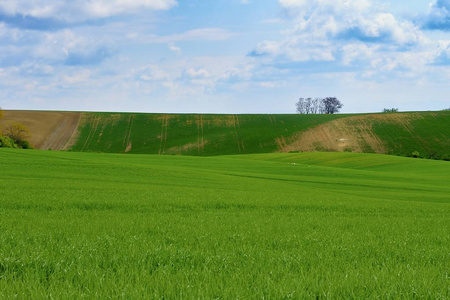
309,106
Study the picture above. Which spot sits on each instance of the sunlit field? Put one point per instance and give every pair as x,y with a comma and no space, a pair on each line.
306,225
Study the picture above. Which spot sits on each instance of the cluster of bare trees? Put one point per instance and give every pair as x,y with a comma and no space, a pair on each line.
329,105
390,110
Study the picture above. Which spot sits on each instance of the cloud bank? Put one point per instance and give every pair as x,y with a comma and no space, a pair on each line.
349,36
44,14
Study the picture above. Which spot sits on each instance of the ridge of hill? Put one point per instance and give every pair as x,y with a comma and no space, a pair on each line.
427,133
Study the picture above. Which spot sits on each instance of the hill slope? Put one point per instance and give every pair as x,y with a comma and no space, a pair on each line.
191,134
207,135
49,129
399,134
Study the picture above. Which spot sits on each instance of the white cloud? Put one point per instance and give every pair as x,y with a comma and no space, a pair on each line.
150,73
79,10
173,48
197,73
345,35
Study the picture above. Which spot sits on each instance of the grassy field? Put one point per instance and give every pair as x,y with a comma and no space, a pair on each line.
427,133
400,134
191,134
307,225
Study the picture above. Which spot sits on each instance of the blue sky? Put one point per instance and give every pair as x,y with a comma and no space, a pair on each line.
223,56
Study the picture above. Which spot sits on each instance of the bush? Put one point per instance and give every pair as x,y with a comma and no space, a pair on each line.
415,154
24,144
390,110
6,142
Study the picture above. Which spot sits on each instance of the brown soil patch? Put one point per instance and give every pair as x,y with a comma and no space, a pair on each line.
223,121
129,146
187,147
48,130
353,134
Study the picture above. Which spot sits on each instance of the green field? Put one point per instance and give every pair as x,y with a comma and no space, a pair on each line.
191,134
428,133
307,225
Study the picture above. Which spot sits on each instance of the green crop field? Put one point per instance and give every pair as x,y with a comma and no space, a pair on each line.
274,226
191,134
425,132
428,133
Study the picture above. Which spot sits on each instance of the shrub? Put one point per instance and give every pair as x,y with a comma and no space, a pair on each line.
415,154
6,142
24,144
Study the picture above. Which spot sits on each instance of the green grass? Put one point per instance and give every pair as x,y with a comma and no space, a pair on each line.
190,134
307,225
210,135
425,132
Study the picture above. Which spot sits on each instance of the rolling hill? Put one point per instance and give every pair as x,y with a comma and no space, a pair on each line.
207,135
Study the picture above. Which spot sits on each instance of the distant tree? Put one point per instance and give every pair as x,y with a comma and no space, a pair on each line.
447,109
331,105
316,106
390,110
304,106
17,132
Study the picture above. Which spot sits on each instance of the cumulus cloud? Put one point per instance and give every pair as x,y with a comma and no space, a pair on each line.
43,13
343,35
20,47
439,15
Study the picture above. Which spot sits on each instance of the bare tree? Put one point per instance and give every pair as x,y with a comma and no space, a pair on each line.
331,105
308,103
390,110
300,105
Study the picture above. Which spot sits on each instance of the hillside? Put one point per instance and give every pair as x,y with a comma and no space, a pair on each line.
209,135
48,129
